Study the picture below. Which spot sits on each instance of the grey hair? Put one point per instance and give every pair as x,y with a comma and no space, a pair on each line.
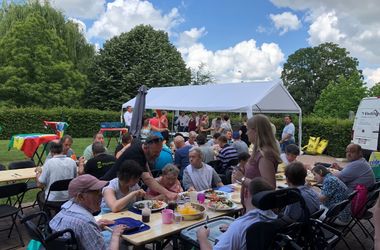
197,150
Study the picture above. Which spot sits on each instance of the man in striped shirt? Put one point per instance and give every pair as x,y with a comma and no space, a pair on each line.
226,153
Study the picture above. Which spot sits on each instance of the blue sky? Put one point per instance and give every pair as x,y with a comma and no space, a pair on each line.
240,40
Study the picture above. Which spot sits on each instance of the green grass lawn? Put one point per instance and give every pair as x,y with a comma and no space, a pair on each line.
78,146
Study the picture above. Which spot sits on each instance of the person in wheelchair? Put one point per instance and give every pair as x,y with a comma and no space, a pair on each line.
295,174
235,236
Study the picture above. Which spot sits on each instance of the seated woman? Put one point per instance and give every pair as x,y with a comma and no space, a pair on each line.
126,141
295,177
333,191
169,180
123,191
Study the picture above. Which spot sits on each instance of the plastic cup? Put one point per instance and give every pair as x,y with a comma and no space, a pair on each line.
167,216
193,196
201,198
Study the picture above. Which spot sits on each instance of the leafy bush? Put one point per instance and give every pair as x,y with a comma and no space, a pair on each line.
337,131
86,122
82,122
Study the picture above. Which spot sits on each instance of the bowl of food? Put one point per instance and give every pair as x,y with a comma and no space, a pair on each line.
191,211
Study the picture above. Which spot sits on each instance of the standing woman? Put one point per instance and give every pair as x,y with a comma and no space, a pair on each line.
265,156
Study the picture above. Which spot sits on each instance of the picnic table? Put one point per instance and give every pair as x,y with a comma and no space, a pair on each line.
17,174
159,231
29,144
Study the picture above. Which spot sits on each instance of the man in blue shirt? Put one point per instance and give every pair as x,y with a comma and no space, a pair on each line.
181,156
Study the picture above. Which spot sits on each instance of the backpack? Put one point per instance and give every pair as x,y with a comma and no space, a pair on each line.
359,201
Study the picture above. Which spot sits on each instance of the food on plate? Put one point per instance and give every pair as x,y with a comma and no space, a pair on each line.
187,209
214,195
280,177
222,204
152,204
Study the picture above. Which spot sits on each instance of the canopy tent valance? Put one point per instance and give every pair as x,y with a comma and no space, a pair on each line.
255,97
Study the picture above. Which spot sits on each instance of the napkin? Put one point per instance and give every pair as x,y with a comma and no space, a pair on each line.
130,222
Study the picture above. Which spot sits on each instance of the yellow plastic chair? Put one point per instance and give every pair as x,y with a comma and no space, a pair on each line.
311,147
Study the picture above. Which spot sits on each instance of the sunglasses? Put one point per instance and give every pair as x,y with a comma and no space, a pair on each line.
154,140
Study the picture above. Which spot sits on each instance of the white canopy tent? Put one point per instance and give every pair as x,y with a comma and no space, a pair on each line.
256,97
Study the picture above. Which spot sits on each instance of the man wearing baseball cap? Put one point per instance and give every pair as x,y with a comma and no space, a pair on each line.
145,154
76,214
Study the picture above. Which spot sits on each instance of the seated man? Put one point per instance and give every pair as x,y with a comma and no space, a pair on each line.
358,171
238,144
192,139
199,176
59,167
207,151
235,236
99,164
166,156
226,153
295,177
76,214
181,155
87,153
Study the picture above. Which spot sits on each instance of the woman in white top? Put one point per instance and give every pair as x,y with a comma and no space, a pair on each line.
123,191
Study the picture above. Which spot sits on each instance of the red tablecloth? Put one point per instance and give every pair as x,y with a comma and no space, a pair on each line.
31,142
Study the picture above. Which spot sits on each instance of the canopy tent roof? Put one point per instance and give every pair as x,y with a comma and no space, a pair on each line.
256,97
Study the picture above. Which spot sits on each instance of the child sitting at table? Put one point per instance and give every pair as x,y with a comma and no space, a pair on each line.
333,191
123,191
169,180
292,151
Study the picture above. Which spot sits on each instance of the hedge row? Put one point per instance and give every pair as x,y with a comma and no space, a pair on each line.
82,122
337,131
85,122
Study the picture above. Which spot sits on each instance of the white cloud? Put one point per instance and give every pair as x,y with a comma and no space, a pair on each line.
285,21
122,15
81,25
352,24
190,37
372,76
243,62
87,9
324,29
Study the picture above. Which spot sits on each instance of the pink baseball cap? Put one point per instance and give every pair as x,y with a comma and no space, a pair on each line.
85,183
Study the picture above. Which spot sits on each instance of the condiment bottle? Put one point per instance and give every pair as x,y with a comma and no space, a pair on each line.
146,214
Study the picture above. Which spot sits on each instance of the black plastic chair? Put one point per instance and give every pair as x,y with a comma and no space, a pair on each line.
374,187
61,185
13,195
367,215
42,233
30,184
317,215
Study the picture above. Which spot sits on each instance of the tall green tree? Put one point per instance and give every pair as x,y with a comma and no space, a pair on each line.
337,99
308,71
201,75
79,51
34,67
375,90
140,56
